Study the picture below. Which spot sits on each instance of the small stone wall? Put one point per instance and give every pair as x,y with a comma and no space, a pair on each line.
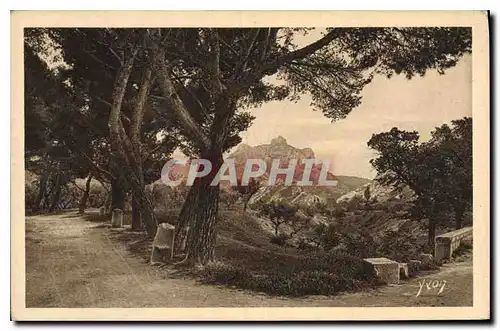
447,243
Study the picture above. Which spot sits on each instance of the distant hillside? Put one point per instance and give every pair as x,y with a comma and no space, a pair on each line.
353,182
378,193
278,148
347,184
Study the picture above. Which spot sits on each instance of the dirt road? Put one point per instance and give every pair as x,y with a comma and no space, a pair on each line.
71,262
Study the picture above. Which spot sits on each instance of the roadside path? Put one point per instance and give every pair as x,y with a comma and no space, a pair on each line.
71,262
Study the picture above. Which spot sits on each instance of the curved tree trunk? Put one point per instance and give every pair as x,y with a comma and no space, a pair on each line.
432,233
83,202
42,190
147,214
200,246
126,147
459,216
136,214
117,195
199,212
57,194
144,207
118,184
187,213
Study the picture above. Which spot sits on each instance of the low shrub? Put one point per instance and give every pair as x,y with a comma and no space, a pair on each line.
338,212
304,244
432,264
401,245
359,244
309,274
466,244
221,273
279,240
463,250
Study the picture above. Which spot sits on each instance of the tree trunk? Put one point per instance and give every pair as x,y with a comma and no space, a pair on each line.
432,233
57,193
117,195
136,154
459,216
145,207
200,246
117,156
85,197
186,215
42,190
148,216
136,214
200,213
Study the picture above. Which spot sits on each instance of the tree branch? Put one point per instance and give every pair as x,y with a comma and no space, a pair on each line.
265,44
74,183
305,51
101,170
214,65
138,113
172,98
146,155
240,67
272,66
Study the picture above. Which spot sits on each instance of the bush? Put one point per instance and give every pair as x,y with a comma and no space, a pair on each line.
377,206
401,245
30,194
463,250
304,244
466,244
338,212
361,245
354,203
325,236
311,274
220,273
431,264
279,240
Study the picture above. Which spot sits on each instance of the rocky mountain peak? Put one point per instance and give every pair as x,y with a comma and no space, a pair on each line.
278,141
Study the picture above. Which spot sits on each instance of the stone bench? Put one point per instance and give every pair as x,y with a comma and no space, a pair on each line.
384,270
447,243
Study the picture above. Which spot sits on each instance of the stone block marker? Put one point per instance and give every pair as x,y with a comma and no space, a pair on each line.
447,243
102,211
162,243
117,218
384,270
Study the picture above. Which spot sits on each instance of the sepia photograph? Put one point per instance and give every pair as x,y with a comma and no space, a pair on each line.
197,162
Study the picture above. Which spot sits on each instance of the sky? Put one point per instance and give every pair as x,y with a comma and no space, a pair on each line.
420,104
